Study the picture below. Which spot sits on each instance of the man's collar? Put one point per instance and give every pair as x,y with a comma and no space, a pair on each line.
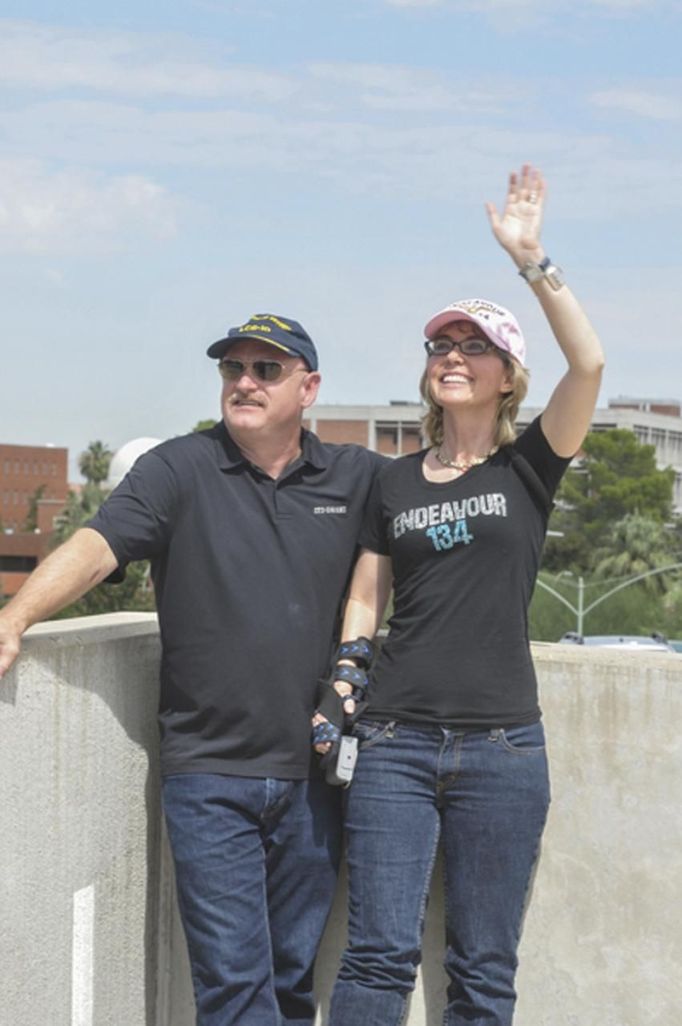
313,450
230,455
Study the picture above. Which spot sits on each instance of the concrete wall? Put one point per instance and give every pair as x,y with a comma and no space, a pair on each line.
79,826
89,929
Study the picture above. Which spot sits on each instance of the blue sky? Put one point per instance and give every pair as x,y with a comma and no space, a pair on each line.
165,173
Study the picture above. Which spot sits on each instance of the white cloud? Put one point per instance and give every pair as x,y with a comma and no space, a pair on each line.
131,64
398,88
459,161
44,212
643,103
48,59
426,134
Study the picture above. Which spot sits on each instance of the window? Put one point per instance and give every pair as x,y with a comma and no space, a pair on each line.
17,564
412,439
387,439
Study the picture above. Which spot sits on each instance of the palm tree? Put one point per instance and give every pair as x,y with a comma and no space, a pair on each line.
636,545
94,463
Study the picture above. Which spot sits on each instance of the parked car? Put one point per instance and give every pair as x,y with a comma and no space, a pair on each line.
632,642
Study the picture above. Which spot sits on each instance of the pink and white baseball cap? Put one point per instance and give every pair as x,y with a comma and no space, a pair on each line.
500,326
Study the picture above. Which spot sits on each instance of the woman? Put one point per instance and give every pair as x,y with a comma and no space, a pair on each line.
451,744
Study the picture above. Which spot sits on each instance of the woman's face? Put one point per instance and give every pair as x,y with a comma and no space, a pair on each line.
456,379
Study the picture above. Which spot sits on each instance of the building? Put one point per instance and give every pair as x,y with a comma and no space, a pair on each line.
395,429
33,483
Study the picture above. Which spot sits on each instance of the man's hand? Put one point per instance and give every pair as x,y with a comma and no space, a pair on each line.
10,643
67,573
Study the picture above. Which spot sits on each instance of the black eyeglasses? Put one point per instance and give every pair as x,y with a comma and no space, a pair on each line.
264,370
468,346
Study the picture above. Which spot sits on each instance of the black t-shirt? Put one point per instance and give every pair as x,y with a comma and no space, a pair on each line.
248,573
465,555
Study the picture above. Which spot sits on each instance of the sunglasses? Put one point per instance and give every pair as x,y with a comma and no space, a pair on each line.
263,370
467,347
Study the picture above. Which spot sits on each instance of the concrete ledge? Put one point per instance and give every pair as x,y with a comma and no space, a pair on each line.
79,826
90,931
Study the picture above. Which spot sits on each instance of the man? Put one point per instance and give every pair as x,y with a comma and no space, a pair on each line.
251,530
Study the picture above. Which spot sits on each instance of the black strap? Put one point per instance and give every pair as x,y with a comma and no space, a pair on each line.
330,703
360,649
352,675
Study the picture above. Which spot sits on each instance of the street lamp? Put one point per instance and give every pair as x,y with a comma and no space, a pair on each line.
581,610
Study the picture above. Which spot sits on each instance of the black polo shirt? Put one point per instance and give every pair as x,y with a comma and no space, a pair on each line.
248,573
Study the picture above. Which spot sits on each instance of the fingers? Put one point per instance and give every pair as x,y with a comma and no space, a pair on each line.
324,746
530,185
9,650
513,188
493,216
342,689
526,185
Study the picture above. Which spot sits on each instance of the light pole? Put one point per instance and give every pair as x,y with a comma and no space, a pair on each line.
581,610
578,611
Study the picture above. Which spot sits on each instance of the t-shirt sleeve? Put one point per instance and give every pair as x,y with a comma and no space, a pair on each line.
373,533
136,519
549,467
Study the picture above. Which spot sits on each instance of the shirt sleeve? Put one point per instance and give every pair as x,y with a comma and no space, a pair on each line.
137,518
533,445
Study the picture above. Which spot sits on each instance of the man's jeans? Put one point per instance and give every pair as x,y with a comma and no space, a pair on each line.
487,794
256,863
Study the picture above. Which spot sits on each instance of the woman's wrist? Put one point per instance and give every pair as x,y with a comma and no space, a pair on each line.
526,256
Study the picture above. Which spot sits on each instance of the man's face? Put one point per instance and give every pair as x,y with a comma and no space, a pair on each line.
252,405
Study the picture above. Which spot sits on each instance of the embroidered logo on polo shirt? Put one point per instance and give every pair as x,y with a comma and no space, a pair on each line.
330,509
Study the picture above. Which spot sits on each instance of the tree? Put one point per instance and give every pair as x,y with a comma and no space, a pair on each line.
672,610
94,463
205,425
134,592
617,476
636,545
80,507
31,522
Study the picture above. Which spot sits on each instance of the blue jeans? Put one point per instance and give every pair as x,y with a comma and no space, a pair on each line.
256,864
486,793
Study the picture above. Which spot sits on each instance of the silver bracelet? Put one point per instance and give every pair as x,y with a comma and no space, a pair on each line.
532,272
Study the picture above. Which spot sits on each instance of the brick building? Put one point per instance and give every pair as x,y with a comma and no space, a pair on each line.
29,474
393,430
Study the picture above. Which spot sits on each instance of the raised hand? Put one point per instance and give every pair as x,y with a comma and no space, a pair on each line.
517,229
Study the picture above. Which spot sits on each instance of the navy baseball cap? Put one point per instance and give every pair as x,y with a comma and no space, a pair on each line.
280,332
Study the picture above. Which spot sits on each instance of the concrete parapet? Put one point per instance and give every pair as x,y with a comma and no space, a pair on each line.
90,935
79,825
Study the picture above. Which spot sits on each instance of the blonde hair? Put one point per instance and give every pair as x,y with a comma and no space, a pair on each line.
507,409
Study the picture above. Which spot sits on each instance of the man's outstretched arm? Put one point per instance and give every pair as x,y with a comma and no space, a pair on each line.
71,570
